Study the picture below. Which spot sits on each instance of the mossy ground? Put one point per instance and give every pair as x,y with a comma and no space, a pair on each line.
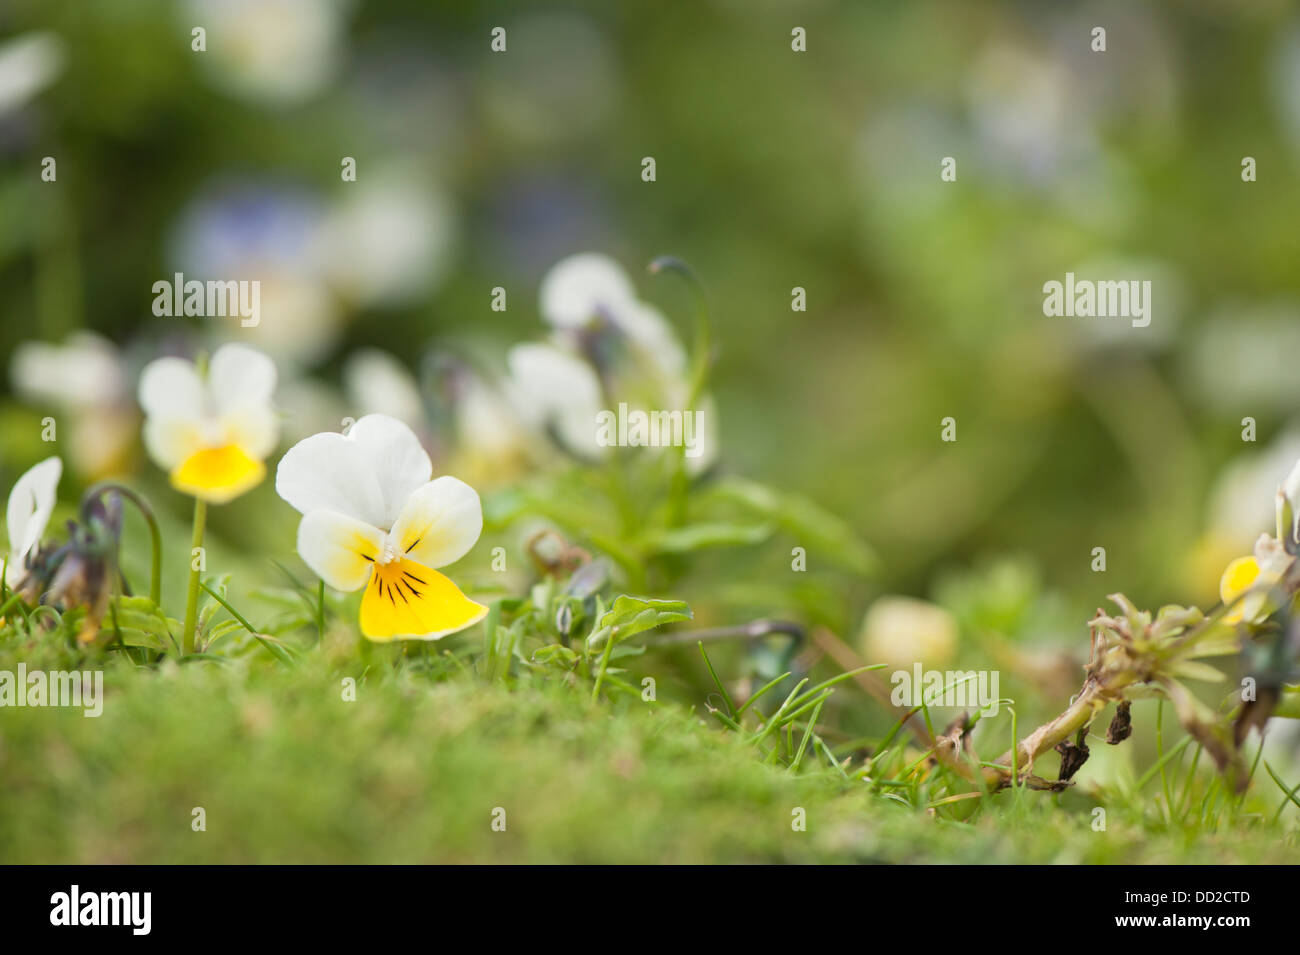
286,770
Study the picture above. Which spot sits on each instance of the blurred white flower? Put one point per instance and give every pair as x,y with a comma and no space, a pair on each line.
84,380
583,287
587,290
599,320
212,433
1019,101
1241,357
1241,504
83,372
28,64
272,235
1034,128
553,389
388,241
278,52
375,381
1286,80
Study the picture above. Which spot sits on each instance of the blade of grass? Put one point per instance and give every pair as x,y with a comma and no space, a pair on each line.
812,722
726,699
275,648
759,695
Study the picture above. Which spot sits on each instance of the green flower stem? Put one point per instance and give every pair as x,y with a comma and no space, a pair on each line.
701,358
155,535
192,596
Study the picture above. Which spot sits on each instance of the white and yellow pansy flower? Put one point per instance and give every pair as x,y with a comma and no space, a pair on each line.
31,502
1250,579
374,517
211,434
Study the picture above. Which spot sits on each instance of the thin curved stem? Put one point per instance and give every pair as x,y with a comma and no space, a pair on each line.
192,595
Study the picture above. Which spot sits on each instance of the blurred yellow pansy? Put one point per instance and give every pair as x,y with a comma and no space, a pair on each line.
211,434
1246,581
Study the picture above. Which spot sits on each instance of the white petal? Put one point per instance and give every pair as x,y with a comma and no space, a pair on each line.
378,382
255,428
440,523
646,326
324,472
241,381
551,388
576,289
239,376
367,474
30,504
28,63
170,441
170,388
400,461
85,371
339,549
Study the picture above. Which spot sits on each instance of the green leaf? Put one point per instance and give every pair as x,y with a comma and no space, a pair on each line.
692,537
812,526
632,615
556,654
1288,703
143,624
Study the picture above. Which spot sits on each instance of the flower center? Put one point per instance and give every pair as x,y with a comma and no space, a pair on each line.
388,553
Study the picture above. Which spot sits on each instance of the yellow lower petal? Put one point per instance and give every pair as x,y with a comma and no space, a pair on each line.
408,600
219,474
1238,577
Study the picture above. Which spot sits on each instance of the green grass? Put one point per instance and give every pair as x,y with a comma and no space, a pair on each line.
287,771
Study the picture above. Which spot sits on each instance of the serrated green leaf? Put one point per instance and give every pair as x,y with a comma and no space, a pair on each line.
632,615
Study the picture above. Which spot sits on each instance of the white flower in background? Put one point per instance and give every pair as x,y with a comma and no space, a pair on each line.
28,64
85,378
375,381
374,518
278,52
552,389
273,235
1240,357
1286,80
587,294
388,241
488,442
84,372
578,289
31,502
1242,500
211,434
902,631
586,289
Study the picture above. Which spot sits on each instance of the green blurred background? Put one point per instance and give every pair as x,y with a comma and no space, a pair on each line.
775,169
